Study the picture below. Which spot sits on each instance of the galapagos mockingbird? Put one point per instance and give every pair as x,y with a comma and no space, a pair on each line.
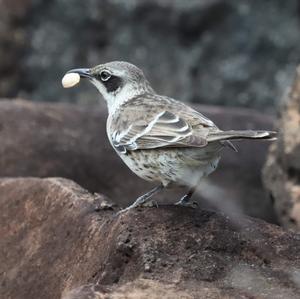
160,139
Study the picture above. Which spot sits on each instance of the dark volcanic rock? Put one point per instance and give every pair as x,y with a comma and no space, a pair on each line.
282,169
70,141
53,241
210,51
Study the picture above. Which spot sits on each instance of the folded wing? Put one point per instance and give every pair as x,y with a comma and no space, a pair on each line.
165,129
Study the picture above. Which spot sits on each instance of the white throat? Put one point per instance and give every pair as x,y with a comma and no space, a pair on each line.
119,97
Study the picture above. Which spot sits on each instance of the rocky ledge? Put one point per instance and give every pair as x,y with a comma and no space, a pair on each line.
282,170
60,241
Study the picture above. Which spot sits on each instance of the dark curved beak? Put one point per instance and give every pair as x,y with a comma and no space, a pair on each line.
83,73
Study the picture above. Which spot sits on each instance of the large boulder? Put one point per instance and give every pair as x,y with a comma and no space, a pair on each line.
55,243
210,51
282,169
42,140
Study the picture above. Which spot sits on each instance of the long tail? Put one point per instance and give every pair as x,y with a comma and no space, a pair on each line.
247,134
225,136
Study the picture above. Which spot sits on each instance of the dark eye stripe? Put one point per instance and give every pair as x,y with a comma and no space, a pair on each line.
112,84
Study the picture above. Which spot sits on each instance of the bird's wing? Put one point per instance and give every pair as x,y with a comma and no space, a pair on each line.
163,128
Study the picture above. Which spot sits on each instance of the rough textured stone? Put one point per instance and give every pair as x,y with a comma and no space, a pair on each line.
282,169
209,51
70,141
53,241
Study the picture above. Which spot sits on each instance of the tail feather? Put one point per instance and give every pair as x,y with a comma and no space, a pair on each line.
246,134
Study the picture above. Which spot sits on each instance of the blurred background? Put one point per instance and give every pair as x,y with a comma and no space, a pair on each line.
233,60
225,52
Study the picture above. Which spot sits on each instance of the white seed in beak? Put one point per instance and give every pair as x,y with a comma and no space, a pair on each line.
69,80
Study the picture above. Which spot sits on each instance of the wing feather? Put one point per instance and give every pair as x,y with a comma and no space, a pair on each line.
166,129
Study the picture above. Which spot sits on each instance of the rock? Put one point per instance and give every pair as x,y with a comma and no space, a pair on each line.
141,289
45,140
210,51
282,169
53,243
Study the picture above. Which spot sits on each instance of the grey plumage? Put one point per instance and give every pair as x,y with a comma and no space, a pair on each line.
246,134
159,138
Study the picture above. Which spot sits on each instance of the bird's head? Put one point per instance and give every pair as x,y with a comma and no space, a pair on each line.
117,81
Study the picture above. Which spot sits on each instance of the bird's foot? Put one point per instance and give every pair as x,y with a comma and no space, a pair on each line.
142,200
184,202
150,204
123,211
192,204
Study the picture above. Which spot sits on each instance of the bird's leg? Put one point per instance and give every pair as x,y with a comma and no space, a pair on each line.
184,201
142,199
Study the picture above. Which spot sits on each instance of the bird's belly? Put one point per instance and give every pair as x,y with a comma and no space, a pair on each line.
179,166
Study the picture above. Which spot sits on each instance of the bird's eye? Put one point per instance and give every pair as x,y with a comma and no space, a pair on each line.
104,76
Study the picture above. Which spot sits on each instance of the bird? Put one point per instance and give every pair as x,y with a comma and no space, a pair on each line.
160,139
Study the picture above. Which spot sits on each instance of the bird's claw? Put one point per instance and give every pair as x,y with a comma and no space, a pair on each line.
188,204
150,204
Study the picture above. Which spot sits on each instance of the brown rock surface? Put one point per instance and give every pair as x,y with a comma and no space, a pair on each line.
282,169
53,241
64,140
